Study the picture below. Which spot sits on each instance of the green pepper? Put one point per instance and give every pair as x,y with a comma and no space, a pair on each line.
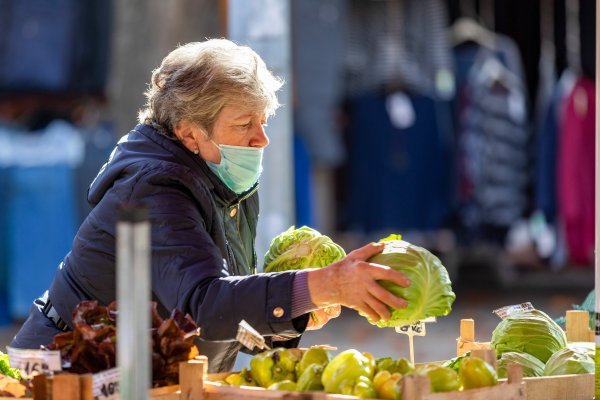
241,378
344,370
274,366
401,365
310,378
283,385
443,379
475,373
388,385
363,388
314,355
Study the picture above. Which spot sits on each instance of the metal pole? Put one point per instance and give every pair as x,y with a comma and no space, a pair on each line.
133,295
597,203
264,25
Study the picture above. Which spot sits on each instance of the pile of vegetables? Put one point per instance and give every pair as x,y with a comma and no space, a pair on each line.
533,340
11,384
430,292
532,332
300,249
355,373
91,346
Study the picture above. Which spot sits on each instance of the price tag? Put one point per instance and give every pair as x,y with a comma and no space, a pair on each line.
105,385
414,329
34,362
507,311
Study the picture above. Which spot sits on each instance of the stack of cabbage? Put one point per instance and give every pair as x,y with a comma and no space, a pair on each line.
532,339
430,292
299,249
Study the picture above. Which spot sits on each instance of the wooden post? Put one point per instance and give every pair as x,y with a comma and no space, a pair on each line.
514,373
191,378
415,387
467,335
65,386
86,382
578,326
487,355
40,387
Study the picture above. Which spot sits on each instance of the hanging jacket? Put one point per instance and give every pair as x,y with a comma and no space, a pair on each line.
202,247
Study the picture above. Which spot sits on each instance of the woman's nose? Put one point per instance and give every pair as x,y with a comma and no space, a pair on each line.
259,138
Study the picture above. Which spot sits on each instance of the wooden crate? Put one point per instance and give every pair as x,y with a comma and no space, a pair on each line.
560,387
414,388
67,386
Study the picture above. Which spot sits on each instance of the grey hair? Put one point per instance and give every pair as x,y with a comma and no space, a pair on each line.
195,81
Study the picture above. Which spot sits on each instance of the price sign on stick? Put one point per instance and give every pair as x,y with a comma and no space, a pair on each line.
105,385
414,329
34,362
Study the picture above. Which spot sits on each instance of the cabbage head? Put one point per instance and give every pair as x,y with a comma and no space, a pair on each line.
576,358
430,292
532,332
531,365
299,249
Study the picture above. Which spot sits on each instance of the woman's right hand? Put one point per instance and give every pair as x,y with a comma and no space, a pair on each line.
352,282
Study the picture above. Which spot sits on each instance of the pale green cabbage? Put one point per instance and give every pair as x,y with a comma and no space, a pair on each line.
532,332
531,365
301,248
430,292
576,358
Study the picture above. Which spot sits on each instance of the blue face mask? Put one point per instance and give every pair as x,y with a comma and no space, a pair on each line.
240,167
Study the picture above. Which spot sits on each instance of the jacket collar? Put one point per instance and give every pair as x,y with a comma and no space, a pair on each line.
195,163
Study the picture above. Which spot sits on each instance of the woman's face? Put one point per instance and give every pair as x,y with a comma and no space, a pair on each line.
233,126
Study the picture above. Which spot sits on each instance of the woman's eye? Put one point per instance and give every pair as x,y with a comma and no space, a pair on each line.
248,125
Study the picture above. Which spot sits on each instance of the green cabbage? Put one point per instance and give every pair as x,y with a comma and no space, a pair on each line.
301,248
5,368
532,332
531,365
576,358
430,291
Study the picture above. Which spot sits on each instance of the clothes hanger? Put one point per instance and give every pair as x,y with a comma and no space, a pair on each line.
467,29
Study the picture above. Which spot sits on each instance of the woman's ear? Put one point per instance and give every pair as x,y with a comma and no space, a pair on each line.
185,132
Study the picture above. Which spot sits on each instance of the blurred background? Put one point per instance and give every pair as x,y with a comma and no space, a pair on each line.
467,126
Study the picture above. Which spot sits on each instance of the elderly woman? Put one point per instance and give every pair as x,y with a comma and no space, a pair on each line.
194,162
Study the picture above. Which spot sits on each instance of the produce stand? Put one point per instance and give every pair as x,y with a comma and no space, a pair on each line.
558,387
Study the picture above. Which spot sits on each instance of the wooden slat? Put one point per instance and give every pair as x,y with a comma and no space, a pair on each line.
578,326
86,383
66,386
561,387
191,376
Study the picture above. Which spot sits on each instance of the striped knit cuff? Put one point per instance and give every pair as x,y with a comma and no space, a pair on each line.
301,302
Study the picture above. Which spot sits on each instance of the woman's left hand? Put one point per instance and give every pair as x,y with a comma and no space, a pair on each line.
320,317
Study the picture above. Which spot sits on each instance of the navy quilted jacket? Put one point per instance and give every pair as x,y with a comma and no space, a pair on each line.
202,239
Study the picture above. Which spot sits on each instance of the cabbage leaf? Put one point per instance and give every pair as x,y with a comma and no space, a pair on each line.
430,292
301,248
576,358
531,365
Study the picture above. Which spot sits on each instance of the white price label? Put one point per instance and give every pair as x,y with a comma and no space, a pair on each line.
513,309
414,329
34,362
105,385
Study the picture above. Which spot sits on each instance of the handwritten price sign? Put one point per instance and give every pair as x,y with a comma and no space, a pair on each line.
105,385
34,362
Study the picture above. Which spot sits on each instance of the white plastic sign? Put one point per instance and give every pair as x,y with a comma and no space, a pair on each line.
507,311
105,385
34,362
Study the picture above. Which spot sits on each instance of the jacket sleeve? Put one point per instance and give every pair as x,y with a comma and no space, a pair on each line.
189,272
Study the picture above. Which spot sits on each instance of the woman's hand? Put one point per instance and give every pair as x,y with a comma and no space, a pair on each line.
352,282
320,317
